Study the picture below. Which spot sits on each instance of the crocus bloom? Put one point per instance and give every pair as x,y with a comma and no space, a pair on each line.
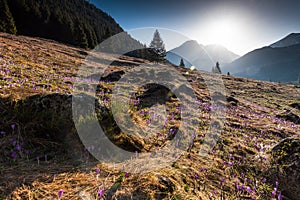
14,155
273,193
100,193
18,147
279,196
60,193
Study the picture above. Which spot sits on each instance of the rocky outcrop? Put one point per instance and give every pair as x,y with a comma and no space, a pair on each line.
285,157
289,116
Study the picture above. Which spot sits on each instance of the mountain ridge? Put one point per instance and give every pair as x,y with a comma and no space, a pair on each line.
203,57
278,62
289,40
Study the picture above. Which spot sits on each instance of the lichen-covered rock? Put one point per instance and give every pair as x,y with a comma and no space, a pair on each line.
289,116
285,157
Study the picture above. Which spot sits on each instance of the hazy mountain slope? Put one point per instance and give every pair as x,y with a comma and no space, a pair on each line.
175,59
290,40
203,57
220,53
269,64
41,153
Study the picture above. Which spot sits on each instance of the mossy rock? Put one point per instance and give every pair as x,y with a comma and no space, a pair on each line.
285,157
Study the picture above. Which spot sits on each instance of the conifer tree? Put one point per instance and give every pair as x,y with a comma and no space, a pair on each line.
157,46
7,23
181,63
217,69
81,38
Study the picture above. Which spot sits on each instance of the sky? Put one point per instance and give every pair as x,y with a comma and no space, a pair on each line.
239,25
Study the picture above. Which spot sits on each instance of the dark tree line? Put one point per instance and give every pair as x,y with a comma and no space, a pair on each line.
7,23
75,22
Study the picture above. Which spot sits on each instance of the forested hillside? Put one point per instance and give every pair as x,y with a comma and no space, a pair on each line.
76,22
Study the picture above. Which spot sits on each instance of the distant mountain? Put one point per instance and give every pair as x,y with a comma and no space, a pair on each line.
75,22
272,63
202,57
291,39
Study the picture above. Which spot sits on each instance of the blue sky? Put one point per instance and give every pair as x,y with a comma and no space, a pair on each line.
239,25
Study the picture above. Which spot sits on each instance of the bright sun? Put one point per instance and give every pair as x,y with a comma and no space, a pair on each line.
225,32
222,31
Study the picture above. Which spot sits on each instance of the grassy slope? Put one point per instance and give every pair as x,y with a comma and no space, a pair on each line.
34,66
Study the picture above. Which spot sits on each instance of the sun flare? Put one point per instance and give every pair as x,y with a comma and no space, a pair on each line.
222,31
225,32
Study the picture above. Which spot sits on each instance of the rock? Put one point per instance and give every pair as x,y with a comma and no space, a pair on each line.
114,76
286,155
168,185
295,105
289,116
154,94
84,53
273,88
232,100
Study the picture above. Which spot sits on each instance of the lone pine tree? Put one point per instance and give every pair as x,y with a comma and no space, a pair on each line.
157,46
217,69
181,63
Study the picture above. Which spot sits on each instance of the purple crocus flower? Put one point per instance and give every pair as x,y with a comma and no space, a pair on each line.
13,126
273,193
14,155
249,189
18,147
279,196
100,193
60,193
98,170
